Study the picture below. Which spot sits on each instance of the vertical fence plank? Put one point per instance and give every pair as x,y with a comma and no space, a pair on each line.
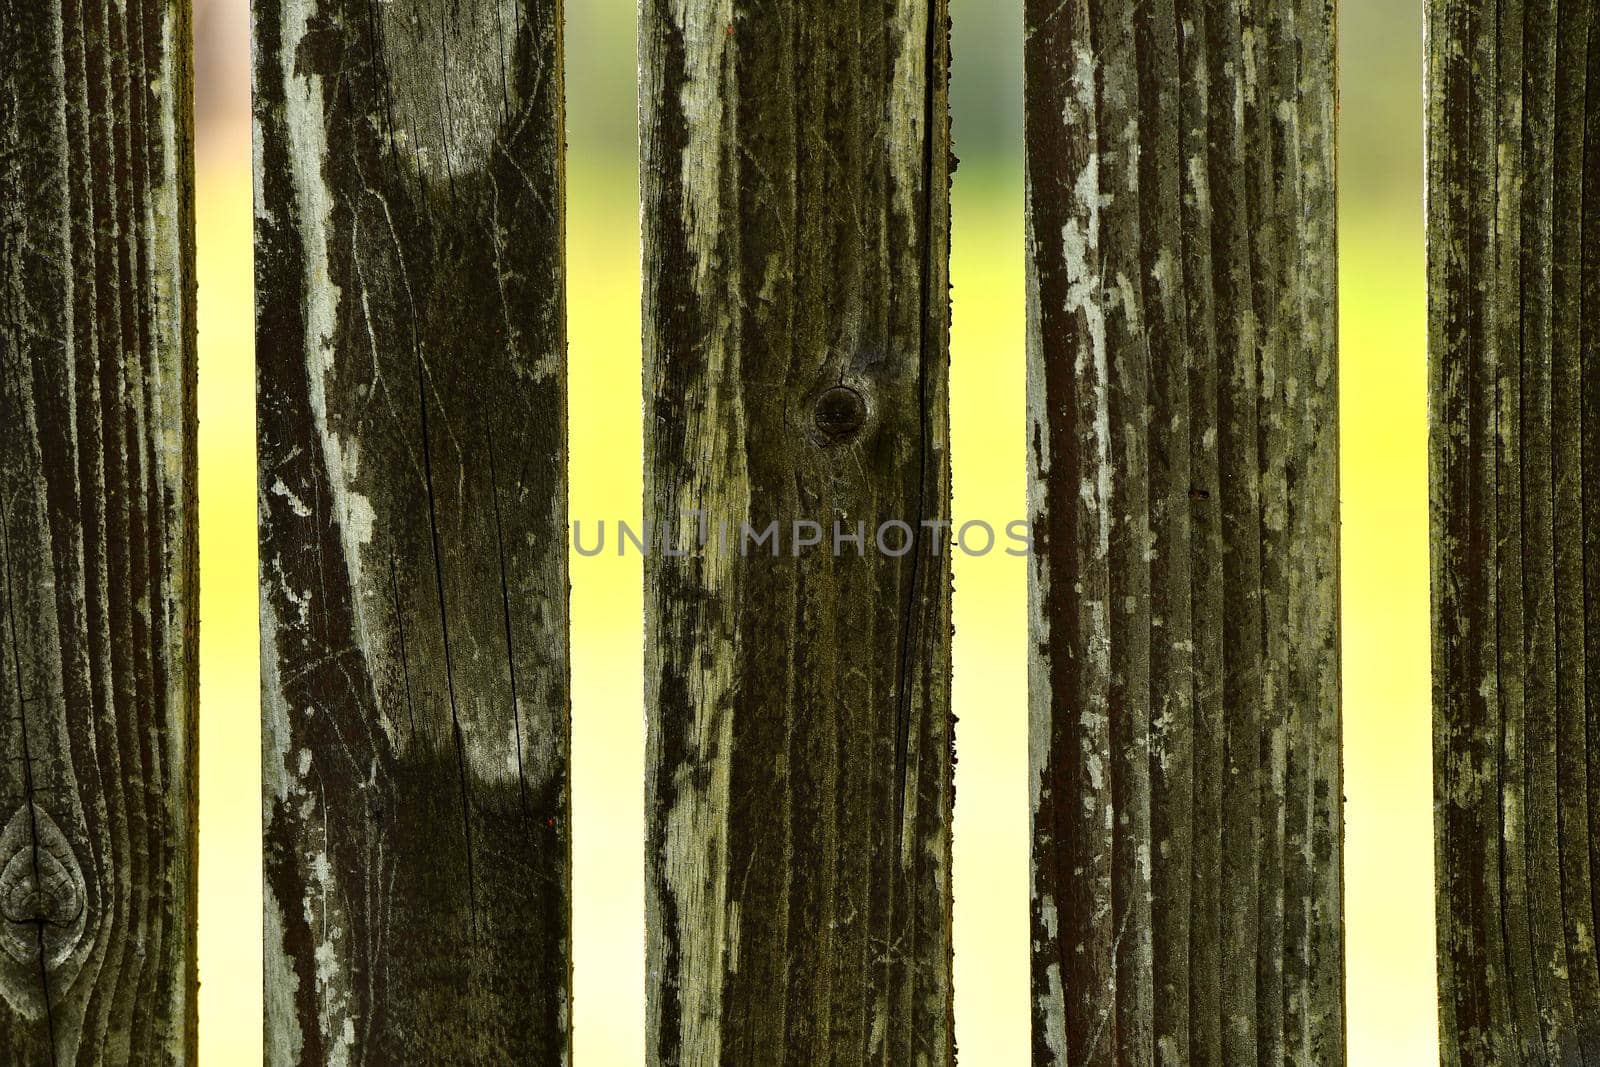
98,670
1513,98
412,429
796,188
1184,679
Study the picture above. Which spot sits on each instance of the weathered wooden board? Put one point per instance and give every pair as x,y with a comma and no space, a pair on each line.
1513,98
796,223
98,619
412,429
1183,463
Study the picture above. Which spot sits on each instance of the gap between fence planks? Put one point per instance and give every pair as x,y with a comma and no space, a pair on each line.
796,224
98,576
1183,458
412,494
1513,98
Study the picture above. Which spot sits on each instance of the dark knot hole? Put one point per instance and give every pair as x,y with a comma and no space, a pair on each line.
841,413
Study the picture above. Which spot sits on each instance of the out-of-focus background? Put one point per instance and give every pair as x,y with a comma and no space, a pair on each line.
1389,866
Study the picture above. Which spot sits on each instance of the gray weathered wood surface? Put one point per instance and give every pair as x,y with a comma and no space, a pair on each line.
412,428
1183,467
1513,128
796,189
98,579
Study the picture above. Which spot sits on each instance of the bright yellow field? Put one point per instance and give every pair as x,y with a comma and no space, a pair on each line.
1389,850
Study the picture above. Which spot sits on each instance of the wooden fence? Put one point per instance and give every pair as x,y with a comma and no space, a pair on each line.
796,160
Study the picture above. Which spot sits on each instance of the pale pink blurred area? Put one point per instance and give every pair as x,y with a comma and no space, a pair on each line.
222,81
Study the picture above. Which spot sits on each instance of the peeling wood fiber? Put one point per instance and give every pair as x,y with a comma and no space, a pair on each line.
1183,451
412,499
795,178
98,576
1513,130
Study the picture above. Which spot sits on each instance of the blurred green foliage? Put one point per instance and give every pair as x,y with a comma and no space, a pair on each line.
1380,130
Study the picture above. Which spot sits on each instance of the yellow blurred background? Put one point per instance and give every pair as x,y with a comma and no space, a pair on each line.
1389,902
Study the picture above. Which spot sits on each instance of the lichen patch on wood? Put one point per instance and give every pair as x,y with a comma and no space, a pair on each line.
453,81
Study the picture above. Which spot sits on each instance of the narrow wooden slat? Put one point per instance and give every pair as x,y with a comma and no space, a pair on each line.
1315,1021
1475,1020
795,178
1069,438
1120,135
99,701
1204,1022
1183,384
1167,315
1586,154
412,429
1511,115
1564,124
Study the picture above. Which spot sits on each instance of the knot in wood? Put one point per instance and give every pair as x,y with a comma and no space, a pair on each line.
39,889
43,901
841,413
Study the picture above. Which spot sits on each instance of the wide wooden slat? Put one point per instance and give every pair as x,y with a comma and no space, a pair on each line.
796,224
98,620
1185,768
412,443
1513,89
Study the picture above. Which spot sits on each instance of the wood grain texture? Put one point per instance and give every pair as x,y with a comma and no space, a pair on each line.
1183,447
98,620
795,180
1513,97
412,498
